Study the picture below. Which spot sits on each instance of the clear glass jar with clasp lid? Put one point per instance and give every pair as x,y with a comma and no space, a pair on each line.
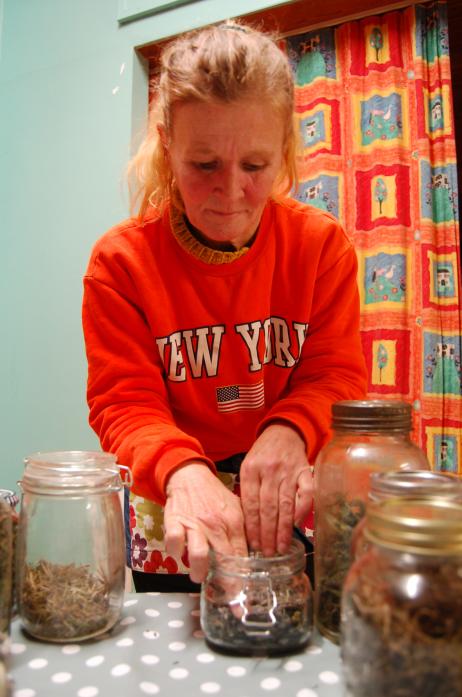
257,605
71,546
401,626
6,568
368,436
12,499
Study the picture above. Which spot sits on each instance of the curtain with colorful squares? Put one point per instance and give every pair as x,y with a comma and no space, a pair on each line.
374,109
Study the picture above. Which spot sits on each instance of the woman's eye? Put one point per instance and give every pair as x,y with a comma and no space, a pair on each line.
252,167
206,166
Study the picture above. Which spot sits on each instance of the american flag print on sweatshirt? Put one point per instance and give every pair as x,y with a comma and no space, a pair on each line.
241,397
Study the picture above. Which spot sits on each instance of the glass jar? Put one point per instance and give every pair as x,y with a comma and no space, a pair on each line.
6,568
414,483
401,627
368,436
257,605
6,682
71,546
12,499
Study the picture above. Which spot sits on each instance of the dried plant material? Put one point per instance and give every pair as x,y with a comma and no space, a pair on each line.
402,630
333,545
266,616
64,601
6,570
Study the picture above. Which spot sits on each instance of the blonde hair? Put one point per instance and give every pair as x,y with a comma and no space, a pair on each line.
226,62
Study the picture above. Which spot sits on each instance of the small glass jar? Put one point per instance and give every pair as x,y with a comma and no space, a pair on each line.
6,568
71,546
257,605
401,626
368,436
408,483
12,499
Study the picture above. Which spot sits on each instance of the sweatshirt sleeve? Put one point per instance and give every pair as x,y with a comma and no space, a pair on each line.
126,392
332,365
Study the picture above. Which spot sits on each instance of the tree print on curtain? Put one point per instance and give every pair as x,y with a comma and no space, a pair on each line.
374,109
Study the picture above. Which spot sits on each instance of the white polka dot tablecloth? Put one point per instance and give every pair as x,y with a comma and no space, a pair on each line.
158,648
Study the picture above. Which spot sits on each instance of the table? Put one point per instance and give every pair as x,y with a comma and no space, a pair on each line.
158,648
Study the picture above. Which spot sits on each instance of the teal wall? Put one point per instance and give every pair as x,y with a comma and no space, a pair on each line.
72,95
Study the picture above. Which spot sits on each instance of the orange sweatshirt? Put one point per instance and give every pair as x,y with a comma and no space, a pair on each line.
189,359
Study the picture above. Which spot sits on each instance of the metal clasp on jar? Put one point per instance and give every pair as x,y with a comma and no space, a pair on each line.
258,602
127,480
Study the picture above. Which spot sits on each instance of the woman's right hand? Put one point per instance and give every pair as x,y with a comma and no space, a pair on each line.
202,513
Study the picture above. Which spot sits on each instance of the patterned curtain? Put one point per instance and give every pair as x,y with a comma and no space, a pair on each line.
374,107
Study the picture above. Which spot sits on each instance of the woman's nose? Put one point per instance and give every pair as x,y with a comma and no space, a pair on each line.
230,182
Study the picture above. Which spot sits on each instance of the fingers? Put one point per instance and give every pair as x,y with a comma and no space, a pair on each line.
208,530
270,513
250,501
277,505
226,535
238,540
175,535
180,532
286,513
198,553
304,498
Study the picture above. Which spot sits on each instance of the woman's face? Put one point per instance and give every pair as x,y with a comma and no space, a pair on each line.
225,158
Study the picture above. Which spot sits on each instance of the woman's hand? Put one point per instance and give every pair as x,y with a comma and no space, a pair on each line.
276,488
201,512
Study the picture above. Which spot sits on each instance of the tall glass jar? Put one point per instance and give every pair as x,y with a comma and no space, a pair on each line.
71,554
6,568
368,436
257,605
401,628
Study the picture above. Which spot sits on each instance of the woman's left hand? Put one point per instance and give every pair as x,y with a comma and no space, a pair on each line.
276,488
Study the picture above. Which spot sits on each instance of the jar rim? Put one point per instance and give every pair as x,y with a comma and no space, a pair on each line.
70,457
250,564
372,415
416,482
416,524
63,470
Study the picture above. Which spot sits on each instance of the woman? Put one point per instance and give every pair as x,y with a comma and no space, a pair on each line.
222,322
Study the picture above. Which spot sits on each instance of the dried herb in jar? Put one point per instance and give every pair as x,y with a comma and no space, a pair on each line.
64,601
398,643
288,632
257,605
338,522
6,567
228,634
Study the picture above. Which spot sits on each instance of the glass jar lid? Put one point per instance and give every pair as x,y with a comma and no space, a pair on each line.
372,415
417,525
60,471
414,483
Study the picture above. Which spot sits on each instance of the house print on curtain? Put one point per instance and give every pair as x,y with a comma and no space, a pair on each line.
374,109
